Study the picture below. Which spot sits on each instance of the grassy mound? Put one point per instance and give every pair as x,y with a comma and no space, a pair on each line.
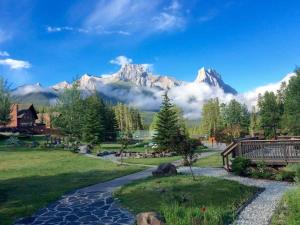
183,201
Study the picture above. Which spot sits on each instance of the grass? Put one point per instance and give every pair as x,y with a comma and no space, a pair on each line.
183,201
30,179
152,161
214,160
288,213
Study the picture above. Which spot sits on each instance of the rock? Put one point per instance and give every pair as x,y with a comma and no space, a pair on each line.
150,218
166,169
85,149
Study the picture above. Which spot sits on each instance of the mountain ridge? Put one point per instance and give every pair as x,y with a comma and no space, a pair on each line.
132,81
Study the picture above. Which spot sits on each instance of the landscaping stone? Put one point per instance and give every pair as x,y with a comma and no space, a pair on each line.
166,169
150,218
85,149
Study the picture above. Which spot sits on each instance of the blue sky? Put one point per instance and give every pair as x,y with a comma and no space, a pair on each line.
249,42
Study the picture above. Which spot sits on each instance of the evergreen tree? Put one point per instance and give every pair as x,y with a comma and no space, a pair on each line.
93,127
291,117
254,122
269,111
110,124
5,103
166,126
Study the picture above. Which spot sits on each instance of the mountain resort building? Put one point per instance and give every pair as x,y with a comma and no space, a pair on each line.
22,115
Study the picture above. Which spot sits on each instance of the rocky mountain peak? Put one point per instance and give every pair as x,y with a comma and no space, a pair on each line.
214,79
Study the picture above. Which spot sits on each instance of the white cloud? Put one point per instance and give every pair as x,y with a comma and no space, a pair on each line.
3,36
121,60
97,30
138,17
4,53
250,97
51,29
15,64
166,21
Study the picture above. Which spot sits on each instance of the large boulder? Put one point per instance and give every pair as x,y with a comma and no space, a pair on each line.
85,149
165,169
150,218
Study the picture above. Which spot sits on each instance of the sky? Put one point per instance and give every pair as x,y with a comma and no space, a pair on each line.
250,42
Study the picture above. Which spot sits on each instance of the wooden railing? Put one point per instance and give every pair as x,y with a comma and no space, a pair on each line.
272,152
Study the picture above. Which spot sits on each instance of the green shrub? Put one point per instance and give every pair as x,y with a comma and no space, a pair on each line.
14,141
286,175
240,165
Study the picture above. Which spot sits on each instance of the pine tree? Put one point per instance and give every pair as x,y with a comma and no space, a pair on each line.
93,128
166,126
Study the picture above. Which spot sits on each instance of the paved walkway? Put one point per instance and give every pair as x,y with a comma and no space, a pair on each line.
94,204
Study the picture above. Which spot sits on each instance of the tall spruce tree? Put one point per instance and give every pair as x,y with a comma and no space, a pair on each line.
167,125
291,116
5,103
93,127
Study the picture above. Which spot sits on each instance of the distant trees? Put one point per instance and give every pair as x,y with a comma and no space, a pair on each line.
291,115
128,118
210,117
88,119
236,118
5,102
227,121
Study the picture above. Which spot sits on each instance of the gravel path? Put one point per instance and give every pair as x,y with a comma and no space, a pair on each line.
94,204
261,209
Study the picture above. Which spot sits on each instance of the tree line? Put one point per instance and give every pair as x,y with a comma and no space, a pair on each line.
87,118
276,113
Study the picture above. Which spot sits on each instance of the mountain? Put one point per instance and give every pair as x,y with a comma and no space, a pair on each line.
214,79
132,83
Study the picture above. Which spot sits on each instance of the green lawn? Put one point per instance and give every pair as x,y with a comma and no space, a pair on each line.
30,179
210,161
152,161
182,201
288,212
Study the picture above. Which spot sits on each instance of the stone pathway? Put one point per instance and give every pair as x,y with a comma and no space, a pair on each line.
94,204
261,209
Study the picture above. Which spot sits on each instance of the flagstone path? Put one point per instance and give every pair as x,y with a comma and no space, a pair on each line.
94,205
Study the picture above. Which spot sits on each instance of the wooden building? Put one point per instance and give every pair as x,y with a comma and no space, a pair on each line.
22,115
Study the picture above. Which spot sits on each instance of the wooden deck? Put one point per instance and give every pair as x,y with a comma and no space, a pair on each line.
272,152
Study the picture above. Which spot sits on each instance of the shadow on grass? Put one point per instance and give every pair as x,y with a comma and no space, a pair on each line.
21,197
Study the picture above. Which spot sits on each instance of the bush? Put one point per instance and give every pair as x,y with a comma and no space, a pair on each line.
13,141
240,165
286,175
